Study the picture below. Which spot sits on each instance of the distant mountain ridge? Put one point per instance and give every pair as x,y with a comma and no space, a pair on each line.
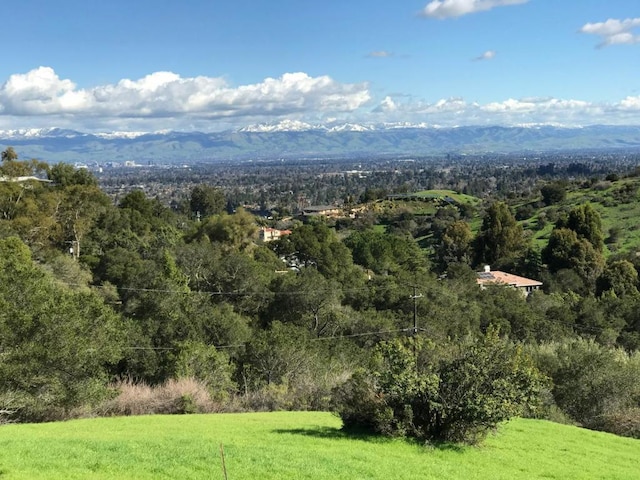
301,140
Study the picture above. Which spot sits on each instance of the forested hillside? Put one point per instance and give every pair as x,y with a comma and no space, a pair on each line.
99,299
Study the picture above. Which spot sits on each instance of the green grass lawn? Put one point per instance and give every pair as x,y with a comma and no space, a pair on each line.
439,194
293,445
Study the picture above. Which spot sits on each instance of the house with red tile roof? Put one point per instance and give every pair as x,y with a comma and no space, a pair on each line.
496,277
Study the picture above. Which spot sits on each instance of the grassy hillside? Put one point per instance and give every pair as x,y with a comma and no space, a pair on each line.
448,194
618,204
292,445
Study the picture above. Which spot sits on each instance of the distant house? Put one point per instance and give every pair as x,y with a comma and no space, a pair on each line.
269,234
322,210
496,277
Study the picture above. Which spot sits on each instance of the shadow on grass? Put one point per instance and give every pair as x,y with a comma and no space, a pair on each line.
365,436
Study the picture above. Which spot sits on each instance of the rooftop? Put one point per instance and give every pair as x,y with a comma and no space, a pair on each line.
488,276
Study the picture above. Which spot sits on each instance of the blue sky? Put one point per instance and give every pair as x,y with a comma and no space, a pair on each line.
144,65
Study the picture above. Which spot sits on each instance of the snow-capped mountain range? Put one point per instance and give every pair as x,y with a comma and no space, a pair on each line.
295,139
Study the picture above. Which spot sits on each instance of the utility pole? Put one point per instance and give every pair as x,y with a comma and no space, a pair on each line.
415,296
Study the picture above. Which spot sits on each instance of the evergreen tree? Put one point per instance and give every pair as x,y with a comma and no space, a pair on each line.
206,200
500,237
586,222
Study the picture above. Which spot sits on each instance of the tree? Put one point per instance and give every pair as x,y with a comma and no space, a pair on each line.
558,254
233,232
242,282
619,277
489,382
137,200
13,168
455,246
9,155
306,299
507,309
316,245
206,200
586,222
566,250
57,343
370,249
554,192
64,175
278,354
500,237
207,364
530,265
79,208
385,253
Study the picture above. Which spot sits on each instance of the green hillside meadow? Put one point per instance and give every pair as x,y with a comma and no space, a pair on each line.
294,445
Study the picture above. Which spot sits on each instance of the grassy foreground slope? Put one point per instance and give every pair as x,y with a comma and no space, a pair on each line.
292,445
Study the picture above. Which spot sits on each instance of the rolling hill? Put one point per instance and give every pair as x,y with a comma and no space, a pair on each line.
54,145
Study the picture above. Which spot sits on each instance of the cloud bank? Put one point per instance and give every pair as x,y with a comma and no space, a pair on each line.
167,101
41,92
614,31
457,8
511,112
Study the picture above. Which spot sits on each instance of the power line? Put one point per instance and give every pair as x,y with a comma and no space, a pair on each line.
364,334
222,293
414,297
239,345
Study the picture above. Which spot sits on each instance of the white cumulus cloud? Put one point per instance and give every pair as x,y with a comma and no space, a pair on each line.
631,103
387,105
614,31
41,92
457,8
488,55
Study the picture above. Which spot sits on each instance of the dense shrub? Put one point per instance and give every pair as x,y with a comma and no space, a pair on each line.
593,384
458,397
625,423
361,406
208,366
185,395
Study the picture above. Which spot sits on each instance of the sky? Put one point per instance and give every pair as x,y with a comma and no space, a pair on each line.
212,65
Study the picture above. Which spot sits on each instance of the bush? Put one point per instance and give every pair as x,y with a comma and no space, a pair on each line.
185,395
204,364
360,406
625,423
591,383
459,397
283,396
